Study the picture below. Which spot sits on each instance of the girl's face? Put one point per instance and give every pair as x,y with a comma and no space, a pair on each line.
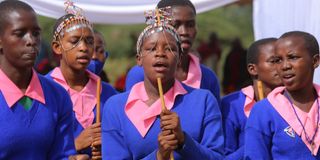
295,64
159,56
266,66
99,49
184,21
76,48
20,40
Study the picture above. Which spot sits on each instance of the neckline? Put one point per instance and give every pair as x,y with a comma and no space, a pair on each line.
310,141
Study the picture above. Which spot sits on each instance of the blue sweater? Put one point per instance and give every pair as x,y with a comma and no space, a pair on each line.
265,137
234,121
43,132
200,119
209,80
107,92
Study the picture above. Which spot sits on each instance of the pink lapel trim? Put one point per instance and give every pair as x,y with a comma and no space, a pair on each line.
13,94
84,101
284,108
249,102
143,116
194,72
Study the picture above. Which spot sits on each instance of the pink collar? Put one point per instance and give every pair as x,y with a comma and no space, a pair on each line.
13,94
283,106
249,102
194,72
143,116
83,101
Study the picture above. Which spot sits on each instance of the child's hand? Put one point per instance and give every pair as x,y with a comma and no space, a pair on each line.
87,136
167,143
170,121
96,153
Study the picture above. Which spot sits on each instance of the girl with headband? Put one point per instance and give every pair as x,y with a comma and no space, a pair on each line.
134,125
73,41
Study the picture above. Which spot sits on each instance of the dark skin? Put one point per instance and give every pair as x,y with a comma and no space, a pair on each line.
19,46
99,49
159,58
265,70
184,21
295,66
76,49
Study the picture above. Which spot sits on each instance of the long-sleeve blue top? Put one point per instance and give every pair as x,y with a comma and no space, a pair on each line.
267,136
106,92
234,121
43,132
200,120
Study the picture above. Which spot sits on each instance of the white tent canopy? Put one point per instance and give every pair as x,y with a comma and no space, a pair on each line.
114,11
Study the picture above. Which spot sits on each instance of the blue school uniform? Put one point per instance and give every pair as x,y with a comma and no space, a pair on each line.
234,121
209,80
106,92
200,120
43,132
269,136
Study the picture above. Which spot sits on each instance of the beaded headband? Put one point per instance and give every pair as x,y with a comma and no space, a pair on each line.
158,21
77,20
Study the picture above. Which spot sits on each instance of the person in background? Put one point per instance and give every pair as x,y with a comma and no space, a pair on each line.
236,107
35,113
235,73
285,125
99,55
210,52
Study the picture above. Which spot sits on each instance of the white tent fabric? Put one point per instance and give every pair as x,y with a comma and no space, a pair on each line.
272,18
114,11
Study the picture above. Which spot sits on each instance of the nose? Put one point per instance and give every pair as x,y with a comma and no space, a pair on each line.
83,46
286,65
160,53
32,40
94,55
182,30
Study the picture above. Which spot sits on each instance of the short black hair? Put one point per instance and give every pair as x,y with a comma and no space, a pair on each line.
254,49
8,6
310,42
165,3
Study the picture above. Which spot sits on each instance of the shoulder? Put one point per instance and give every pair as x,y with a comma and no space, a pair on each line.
234,99
108,88
207,73
263,106
195,91
48,84
234,96
199,96
262,115
136,69
135,75
117,101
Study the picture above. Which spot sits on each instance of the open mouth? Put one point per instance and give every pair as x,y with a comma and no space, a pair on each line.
160,66
287,78
83,59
